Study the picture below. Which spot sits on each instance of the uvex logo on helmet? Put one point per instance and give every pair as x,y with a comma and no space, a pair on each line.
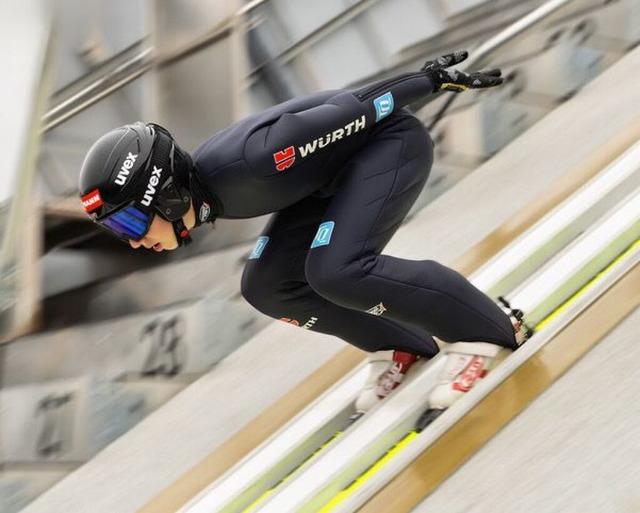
151,186
128,163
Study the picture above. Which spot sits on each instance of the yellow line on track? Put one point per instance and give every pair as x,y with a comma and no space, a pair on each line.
409,437
406,490
270,491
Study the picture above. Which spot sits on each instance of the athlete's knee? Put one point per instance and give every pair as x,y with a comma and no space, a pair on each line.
250,288
335,281
259,288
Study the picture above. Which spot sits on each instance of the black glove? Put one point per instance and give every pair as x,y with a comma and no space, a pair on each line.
457,81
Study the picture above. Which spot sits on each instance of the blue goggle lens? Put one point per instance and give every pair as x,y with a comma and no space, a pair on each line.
129,223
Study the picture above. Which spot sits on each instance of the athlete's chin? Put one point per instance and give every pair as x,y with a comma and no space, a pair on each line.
159,247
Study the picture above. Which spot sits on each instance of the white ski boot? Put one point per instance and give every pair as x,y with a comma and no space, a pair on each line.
387,370
468,362
465,364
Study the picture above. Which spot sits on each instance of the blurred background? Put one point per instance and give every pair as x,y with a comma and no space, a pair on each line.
96,337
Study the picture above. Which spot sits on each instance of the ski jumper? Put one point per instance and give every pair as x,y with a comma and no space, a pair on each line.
340,170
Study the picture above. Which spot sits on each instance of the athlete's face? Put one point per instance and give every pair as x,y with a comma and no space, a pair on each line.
160,236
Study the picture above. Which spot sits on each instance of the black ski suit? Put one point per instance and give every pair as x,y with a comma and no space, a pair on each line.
340,171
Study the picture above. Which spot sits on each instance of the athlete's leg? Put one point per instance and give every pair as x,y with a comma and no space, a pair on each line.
346,266
274,282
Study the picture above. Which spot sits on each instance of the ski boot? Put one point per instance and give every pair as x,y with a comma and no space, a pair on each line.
468,362
387,370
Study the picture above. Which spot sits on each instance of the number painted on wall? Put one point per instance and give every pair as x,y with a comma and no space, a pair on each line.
55,413
167,349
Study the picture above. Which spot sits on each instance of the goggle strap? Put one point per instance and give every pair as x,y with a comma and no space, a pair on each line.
161,152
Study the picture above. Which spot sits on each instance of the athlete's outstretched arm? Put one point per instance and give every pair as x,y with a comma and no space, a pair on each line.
433,77
349,111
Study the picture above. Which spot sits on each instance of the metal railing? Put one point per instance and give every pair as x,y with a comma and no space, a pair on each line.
113,75
19,240
136,60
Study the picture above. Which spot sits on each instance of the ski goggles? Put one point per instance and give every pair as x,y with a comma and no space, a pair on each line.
128,223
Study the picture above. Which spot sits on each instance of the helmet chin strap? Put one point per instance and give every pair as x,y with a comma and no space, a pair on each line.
174,199
181,232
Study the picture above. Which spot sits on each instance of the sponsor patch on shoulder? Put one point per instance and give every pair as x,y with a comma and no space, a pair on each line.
92,201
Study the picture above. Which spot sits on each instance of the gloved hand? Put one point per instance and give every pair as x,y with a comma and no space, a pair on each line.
457,81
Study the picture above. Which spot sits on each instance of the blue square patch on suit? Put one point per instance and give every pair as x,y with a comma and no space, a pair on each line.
384,106
323,237
261,243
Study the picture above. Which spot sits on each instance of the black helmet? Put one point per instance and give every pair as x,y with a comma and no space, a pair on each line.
129,175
